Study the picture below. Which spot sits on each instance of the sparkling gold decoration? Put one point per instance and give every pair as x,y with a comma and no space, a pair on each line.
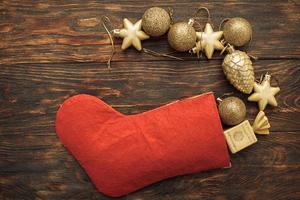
240,136
210,40
131,34
237,31
197,49
264,93
182,36
232,111
261,124
156,21
238,69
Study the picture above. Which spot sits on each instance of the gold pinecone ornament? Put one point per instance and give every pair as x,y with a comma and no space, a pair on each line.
238,69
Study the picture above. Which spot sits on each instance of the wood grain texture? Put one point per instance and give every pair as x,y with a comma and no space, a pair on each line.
52,50
71,31
36,90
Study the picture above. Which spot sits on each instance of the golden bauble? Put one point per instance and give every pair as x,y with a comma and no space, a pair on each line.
182,36
237,31
232,111
156,21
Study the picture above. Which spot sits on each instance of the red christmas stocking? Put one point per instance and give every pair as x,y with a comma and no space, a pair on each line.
123,153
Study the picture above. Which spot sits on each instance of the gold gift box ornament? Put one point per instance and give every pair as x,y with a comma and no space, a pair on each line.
240,136
243,135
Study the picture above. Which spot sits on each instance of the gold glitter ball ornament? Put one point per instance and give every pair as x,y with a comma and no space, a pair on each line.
238,69
156,21
232,111
237,31
182,36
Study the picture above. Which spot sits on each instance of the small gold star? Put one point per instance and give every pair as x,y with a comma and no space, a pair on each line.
210,40
264,93
132,34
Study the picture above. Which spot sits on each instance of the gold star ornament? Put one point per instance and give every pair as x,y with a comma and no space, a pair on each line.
264,93
132,34
210,40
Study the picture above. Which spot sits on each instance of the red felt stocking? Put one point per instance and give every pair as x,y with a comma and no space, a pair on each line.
122,153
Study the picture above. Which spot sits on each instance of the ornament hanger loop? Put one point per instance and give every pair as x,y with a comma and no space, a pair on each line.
171,12
222,22
196,17
107,23
263,77
249,44
207,11
260,79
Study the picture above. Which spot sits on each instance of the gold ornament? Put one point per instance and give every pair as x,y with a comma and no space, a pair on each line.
232,111
197,49
209,40
261,124
237,31
131,34
182,36
240,136
156,21
238,69
264,93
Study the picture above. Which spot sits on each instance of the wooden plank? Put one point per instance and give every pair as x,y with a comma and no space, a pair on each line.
31,94
71,31
35,153
247,184
236,183
40,167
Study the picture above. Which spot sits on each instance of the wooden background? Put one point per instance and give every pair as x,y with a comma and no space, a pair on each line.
52,50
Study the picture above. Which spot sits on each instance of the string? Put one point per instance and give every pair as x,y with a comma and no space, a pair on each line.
261,78
249,44
105,19
263,75
207,11
197,17
253,57
199,25
170,12
226,46
222,22
154,53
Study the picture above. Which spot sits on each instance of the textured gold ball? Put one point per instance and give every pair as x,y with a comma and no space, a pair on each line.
156,21
182,36
232,111
237,31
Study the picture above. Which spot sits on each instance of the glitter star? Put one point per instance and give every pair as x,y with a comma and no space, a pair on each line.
210,40
264,93
132,34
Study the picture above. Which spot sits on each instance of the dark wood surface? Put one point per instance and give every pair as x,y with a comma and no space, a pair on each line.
52,50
